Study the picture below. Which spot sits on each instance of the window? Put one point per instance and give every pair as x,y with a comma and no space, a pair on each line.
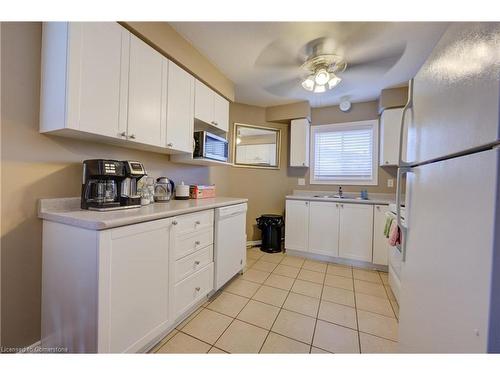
345,153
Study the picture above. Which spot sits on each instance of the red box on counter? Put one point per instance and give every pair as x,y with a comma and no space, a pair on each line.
201,191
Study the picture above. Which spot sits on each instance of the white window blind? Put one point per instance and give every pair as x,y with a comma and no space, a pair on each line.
344,153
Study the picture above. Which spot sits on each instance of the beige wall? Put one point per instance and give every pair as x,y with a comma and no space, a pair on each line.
168,41
286,112
38,166
264,188
393,98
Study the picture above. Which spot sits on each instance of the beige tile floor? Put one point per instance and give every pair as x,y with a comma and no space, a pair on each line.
287,304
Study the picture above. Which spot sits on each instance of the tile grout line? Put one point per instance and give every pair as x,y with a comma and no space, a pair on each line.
317,312
356,311
279,312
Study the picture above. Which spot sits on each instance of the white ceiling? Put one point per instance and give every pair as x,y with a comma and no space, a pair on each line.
263,58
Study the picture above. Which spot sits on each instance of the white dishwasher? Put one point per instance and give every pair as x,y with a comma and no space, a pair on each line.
230,242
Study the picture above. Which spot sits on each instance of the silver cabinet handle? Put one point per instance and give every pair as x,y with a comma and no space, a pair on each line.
337,204
196,242
122,134
174,222
132,136
342,205
197,222
307,203
170,144
197,288
196,262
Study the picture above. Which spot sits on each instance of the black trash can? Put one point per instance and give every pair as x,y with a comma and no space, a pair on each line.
272,228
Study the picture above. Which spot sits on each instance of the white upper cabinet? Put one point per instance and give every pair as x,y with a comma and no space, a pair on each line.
101,83
210,107
84,75
356,230
390,128
221,113
324,228
299,143
180,109
380,243
203,103
145,99
296,225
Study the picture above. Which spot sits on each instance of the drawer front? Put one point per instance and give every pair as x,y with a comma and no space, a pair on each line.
188,244
191,290
191,223
192,263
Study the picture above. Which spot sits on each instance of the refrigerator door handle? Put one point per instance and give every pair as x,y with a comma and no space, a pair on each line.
402,227
408,105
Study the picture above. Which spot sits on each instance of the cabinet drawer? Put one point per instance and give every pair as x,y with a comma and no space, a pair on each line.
192,263
189,243
194,222
193,289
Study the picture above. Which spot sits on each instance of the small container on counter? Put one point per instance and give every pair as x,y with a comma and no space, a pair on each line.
182,191
202,191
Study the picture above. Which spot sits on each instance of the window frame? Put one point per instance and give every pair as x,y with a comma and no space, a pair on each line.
374,124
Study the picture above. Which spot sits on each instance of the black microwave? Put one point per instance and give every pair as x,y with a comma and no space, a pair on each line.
210,146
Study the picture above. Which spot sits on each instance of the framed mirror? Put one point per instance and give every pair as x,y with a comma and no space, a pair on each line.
256,146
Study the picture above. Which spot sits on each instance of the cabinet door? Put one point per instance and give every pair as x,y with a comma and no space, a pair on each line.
390,126
324,228
221,113
133,289
380,244
145,99
356,231
180,108
97,77
299,143
296,225
203,103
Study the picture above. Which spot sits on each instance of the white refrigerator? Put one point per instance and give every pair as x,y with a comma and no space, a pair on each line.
450,292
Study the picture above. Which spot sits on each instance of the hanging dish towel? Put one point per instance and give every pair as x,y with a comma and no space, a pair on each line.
387,227
394,234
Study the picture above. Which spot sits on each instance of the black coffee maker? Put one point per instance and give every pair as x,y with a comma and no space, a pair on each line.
111,184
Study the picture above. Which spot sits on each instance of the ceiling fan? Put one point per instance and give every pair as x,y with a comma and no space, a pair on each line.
321,69
323,63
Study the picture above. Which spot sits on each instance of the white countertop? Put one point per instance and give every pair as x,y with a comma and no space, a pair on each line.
68,211
373,198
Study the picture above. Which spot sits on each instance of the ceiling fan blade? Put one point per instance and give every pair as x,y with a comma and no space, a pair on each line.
285,88
378,62
278,54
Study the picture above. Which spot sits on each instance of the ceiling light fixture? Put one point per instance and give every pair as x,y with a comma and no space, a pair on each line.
321,73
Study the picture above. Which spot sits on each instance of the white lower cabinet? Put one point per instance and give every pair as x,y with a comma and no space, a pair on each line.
118,290
344,230
380,244
324,228
194,288
356,231
134,286
297,225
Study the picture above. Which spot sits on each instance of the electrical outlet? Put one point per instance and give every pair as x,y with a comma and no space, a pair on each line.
302,181
390,182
